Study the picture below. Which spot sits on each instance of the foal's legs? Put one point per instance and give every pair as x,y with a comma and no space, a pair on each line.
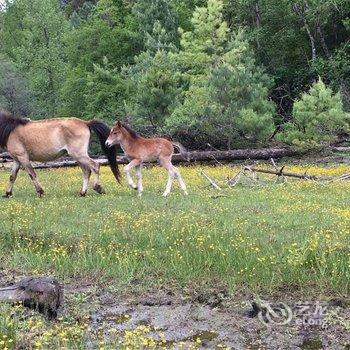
173,172
13,176
127,169
181,181
139,179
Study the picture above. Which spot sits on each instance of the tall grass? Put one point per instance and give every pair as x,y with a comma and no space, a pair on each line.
261,238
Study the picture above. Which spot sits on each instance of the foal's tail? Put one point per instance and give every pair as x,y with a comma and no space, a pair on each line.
182,149
102,131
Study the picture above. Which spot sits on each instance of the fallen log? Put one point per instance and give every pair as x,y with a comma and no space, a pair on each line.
239,154
214,155
44,294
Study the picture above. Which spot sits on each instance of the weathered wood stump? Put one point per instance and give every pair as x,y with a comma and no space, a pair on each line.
42,293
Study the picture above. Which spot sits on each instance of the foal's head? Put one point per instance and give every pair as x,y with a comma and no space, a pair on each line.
119,133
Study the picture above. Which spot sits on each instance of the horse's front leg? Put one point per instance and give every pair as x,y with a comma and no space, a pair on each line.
13,177
127,169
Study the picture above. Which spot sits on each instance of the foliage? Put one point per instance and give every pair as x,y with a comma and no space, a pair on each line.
318,117
104,92
15,96
227,91
33,31
108,34
157,22
56,50
153,87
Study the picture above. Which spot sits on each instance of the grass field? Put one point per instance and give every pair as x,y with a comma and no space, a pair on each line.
251,238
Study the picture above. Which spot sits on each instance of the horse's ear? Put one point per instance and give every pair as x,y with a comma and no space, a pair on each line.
119,124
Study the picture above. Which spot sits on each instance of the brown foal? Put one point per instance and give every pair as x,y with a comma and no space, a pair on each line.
46,140
139,149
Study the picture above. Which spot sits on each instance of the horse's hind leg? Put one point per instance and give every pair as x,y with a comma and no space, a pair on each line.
32,174
86,177
139,179
166,163
13,176
173,172
179,178
93,167
96,170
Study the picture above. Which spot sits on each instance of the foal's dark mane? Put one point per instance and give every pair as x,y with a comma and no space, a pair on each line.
8,123
132,133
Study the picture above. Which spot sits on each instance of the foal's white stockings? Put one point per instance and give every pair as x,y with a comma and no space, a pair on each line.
173,172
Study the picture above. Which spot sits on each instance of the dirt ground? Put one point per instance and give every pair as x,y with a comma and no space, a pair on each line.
219,319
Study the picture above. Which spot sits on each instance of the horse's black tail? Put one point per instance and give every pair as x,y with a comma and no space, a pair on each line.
8,123
102,131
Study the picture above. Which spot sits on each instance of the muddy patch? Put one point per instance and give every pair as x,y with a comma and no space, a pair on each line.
175,322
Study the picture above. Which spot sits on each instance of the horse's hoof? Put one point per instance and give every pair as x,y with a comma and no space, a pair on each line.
40,193
82,194
7,195
99,189
185,193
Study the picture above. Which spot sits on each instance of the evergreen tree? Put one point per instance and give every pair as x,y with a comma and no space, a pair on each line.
240,90
200,49
158,23
318,118
227,90
152,89
104,94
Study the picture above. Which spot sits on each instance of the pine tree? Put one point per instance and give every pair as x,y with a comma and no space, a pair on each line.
152,89
318,118
200,48
240,90
158,23
227,96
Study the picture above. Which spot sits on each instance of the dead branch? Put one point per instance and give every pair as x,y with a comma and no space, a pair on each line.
282,173
210,180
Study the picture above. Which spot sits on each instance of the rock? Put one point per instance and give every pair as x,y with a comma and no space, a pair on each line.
42,293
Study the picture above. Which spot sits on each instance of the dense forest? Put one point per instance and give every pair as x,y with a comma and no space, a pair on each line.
232,73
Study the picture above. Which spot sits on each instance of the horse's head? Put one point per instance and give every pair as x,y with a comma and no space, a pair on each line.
119,133
116,134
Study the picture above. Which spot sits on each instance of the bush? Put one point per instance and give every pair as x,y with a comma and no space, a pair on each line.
318,118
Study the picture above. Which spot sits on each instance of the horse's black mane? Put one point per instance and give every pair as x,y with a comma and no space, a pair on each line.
133,133
8,123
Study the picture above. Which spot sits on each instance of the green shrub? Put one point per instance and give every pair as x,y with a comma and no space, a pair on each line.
318,118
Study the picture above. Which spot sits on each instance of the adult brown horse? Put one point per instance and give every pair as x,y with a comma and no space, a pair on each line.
139,149
46,140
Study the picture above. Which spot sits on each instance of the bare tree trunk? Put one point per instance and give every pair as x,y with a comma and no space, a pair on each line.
257,19
322,39
301,13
